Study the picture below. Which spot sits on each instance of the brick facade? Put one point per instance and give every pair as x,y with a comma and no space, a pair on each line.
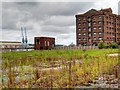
44,43
94,26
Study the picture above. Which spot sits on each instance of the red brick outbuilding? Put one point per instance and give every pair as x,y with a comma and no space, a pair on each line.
44,43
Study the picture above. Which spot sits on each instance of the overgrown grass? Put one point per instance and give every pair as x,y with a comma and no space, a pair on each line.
78,66
55,53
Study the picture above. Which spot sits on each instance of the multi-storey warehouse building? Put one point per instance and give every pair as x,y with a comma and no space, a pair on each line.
94,26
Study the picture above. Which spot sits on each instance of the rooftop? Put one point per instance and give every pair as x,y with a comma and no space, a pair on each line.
93,11
44,37
9,42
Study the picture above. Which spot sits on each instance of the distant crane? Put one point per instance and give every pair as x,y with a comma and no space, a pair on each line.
24,38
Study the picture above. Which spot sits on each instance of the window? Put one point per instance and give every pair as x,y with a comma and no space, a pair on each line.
110,18
89,34
94,28
89,29
89,40
107,22
79,29
100,33
110,23
84,23
84,28
84,38
89,24
99,22
107,17
79,19
45,43
79,34
84,18
100,38
79,39
94,38
99,27
94,33
94,17
107,28
99,17
48,43
84,33
38,41
84,44
89,18
94,44
110,28
94,23
79,24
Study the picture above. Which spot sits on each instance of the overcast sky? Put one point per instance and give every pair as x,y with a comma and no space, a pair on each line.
52,19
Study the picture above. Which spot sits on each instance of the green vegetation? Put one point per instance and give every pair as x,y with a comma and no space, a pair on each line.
103,45
113,45
56,68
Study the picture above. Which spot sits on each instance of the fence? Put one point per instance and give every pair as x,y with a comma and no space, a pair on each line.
76,47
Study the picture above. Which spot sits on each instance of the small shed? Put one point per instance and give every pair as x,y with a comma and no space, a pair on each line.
44,43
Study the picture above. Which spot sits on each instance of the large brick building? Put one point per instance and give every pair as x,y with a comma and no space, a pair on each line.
94,26
45,43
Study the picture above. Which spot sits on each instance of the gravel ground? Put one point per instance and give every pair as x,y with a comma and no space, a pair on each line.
104,81
115,54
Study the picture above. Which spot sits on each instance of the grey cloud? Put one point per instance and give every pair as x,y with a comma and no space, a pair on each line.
56,19
69,38
54,29
24,11
60,21
57,30
119,7
64,8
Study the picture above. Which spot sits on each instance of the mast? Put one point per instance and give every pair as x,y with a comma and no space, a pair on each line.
26,41
22,37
